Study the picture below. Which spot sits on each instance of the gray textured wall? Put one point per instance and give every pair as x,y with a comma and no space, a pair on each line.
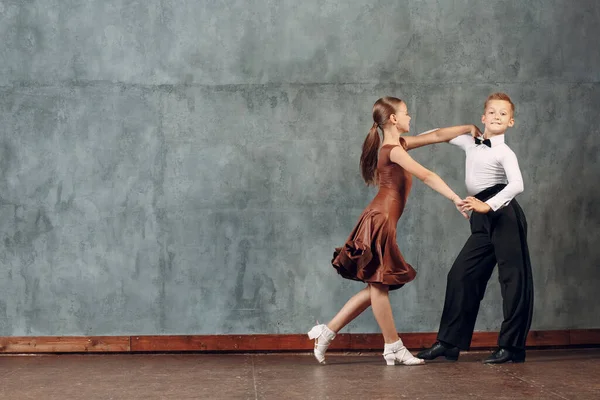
188,166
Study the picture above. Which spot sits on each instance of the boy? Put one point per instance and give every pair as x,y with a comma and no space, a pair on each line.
498,235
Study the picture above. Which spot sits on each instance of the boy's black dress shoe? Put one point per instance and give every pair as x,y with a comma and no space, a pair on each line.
437,350
504,355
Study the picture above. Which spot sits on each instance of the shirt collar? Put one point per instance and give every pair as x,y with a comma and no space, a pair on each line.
497,140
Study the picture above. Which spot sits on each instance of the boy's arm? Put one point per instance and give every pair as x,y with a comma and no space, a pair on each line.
440,135
514,187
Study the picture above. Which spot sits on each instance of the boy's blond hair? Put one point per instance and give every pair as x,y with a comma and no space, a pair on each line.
499,96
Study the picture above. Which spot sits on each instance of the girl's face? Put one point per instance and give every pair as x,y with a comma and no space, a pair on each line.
401,119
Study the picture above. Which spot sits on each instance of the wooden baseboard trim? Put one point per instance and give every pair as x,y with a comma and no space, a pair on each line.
267,343
65,344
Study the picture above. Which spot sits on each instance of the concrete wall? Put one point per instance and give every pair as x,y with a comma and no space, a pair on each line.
187,167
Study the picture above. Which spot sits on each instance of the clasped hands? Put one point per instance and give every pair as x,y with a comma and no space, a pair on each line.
471,204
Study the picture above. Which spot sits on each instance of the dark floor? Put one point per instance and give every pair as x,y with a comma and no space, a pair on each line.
547,374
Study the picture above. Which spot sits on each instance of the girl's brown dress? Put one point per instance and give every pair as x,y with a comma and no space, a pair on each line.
371,253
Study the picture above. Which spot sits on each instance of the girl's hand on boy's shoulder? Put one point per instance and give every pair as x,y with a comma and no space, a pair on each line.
475,132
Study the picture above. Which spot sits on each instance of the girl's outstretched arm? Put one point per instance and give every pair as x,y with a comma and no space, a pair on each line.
440,135
399,156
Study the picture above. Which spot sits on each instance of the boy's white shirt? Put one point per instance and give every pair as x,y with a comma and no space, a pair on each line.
488,166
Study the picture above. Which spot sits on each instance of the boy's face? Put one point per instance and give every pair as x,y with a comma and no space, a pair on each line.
497,117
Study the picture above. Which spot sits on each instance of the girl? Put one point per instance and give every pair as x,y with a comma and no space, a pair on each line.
371,254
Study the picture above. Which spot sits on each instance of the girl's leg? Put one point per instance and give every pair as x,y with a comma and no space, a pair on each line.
394,350
352,309
382,309
324,334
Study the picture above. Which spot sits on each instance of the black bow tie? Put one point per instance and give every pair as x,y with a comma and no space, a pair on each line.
485,141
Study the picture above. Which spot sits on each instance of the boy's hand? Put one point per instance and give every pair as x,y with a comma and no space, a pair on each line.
475,132
473,204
